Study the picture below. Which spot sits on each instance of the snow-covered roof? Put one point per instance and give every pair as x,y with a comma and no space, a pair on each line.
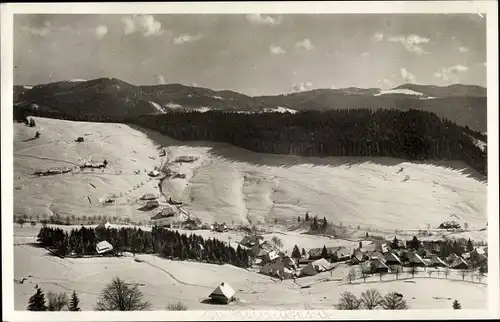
103,247
225,290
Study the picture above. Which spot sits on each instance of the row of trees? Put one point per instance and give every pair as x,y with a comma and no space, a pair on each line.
56,301
412,134
57,219
161,241
371,300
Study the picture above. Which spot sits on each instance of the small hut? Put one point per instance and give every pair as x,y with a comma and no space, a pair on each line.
103,247
148,196
223,294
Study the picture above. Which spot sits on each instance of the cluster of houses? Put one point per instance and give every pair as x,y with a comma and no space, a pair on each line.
380,257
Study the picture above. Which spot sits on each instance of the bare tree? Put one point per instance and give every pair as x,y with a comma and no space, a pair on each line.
179,306
120,296
381,274
394,301
277,241
396,269
57,301
371,299
446,272
463,273
351,275
348,301
364,274
413,271
21,221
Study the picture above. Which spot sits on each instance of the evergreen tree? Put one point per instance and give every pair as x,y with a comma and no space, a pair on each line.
73,304
296,252
457,305
307,216
324,223
298,218
470,247
314,224
395,243
415,243
37,301
324,252
366,235
303,252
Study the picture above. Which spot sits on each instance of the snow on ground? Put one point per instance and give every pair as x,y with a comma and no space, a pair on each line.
280,109
229,184
480,144
75,80
27,87
173,106
402,91
163,281
217,97
158,107
203,109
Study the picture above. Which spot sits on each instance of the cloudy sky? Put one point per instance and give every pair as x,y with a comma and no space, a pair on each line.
253,54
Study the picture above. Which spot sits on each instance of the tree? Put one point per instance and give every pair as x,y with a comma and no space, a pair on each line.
364,274
394,301
348,301
324,252
73,303
367,236
415,243
381,274
32,123
413,271
277,241
324,223
296,252
37,301
463,273
446,272
314,224
371,299
307,216
470,247
351,275
298,218
120,296
395,243
457,305
396,269
429,272
479,277
57,301
303,252
178,306
21,221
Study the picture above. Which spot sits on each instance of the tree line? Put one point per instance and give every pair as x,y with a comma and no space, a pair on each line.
167,243
411,134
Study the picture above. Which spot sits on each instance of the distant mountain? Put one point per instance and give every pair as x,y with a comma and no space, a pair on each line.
463,104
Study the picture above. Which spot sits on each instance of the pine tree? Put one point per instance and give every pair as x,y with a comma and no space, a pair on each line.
37,301
470,247
307,216
296,252
303,252
324,252
457,305
395,243
298,218
324,223
73,304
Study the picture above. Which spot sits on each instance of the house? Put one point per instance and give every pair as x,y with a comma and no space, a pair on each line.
313,268
289,262
191,224
452,257
375,255
103,247
277,269
148,196
251,240
152,204
417,260
478,255
271,256
459,263
377,266
220,227
358,257
223,294
165,212
258,251
392,259
424,252
437,262
153,173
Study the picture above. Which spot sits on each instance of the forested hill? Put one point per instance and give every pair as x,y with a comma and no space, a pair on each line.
412,134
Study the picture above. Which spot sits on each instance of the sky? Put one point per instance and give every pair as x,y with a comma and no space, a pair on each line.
255,54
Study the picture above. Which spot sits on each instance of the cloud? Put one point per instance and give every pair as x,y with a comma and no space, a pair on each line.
186,38
145,24
463,49
407,76
378,36
276,50
412,43
451,73
101,31
160,80
385,83
304,44
45,29
304,86
365,55
259,19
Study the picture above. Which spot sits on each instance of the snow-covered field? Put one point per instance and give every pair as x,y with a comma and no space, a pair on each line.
233,185
163,281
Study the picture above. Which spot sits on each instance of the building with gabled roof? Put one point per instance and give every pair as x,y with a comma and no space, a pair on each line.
392,259
103,247
459,263
223,294
437,262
